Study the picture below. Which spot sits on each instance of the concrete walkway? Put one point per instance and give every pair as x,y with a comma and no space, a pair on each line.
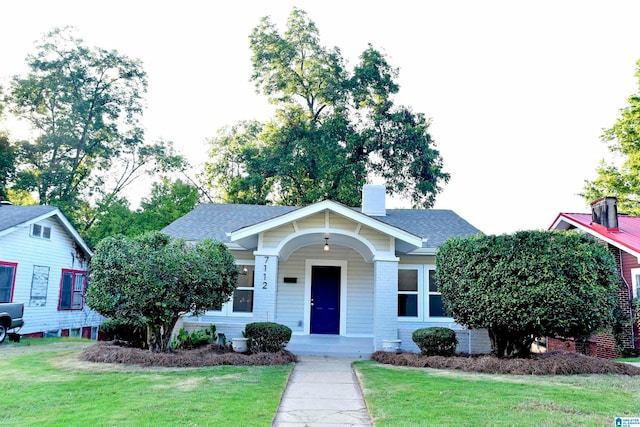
322,391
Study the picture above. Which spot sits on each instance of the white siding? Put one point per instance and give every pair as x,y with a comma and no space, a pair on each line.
377,239
57,253
359,289
272,238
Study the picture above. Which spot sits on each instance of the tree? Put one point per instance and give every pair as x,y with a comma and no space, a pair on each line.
623,139
85,104
333,129
152,279
168,201
527,285
7,164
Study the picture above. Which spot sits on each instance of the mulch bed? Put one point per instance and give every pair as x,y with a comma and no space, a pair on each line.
553,363
211,355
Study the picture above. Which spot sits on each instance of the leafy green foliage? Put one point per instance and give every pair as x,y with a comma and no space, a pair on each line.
135,334
267,336
334,128
621,179
84,104
167,202
526,285
435,341
152,279
195,339
8,157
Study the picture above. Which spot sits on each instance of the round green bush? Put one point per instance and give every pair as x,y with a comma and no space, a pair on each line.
435,341
267,337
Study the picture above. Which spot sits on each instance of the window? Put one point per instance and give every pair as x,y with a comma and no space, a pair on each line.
41,231
408,292
243,295
7,280
635,282
418,295
241,302
72,290
436,309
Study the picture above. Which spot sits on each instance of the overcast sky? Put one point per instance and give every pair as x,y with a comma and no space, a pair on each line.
519,92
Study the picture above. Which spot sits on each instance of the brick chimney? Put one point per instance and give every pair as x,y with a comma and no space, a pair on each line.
373,200
604,212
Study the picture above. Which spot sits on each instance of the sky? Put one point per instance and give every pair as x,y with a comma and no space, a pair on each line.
519,92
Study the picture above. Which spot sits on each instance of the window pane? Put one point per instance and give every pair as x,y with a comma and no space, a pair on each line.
408,280
242,301
77,300
6,279
436,309
408,305
46,232
36,230
78,284
433,283
245,278
637,295
65,295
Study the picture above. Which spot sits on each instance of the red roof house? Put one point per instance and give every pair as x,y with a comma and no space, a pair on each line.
621,234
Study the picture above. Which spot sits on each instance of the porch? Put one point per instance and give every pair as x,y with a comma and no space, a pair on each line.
331,345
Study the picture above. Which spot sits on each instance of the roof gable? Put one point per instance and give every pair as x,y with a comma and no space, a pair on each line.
626,237
342,210
13,218
218,221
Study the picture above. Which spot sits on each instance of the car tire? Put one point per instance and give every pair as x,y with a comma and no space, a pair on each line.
3,332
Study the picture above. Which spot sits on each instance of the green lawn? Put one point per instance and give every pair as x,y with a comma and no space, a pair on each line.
44,383
427,397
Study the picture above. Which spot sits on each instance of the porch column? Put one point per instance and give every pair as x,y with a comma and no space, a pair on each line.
265,288
385,302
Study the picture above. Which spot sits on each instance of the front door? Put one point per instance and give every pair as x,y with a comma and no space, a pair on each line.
325,300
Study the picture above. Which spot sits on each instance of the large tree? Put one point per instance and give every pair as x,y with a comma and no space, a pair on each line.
622,178
84,104
152,279
527,285
7,163
333,128
168,201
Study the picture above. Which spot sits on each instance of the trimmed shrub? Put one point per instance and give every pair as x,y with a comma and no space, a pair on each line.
435,341
267,337
134,334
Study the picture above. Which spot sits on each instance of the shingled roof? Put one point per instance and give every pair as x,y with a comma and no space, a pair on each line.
11,216
214,221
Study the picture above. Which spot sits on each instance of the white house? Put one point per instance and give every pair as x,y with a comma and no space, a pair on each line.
43,264
345,280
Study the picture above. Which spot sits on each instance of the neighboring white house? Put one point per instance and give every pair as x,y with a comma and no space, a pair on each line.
43,264
352,279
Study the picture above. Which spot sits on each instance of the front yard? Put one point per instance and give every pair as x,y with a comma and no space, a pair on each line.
428,397
44,383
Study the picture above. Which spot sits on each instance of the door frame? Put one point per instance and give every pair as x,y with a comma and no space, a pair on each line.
343,291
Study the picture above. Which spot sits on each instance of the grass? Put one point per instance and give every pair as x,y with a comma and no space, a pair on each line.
628,359
44,383
421,396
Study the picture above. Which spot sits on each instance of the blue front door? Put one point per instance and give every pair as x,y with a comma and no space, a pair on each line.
325,300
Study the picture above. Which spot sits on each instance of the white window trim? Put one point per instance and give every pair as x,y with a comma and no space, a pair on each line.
421,304
635,272
423,295
41,233
227,307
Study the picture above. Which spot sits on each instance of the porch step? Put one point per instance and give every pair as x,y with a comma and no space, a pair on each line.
331,346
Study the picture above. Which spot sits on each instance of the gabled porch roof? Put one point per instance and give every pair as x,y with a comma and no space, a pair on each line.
247,237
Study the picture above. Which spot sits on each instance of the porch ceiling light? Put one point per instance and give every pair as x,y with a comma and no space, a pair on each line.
326,244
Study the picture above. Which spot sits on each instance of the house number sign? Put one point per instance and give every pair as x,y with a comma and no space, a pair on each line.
264,283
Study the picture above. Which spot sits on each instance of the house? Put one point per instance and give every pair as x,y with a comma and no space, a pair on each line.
344,279
621,234
43,264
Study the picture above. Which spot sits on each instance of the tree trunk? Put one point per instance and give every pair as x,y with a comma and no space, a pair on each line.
509,344
159,337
